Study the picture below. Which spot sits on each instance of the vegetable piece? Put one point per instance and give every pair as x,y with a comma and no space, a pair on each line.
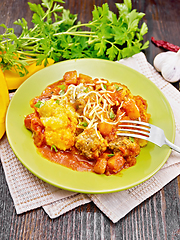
165,45
4,101
84,78
131,109
60,124
105,128
142,142
34,124
168,63
70,77
58,36
101,163
14,80
115,163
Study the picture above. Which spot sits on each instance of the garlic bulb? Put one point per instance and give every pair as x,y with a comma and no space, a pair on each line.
168,63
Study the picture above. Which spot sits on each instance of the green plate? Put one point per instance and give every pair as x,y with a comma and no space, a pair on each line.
151,158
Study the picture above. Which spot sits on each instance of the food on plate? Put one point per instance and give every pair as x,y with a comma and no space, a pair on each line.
75,123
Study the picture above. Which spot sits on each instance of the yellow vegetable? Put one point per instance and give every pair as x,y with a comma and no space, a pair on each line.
14,80
60,120
4,101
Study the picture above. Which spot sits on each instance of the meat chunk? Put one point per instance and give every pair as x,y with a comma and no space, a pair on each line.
127,146
90,144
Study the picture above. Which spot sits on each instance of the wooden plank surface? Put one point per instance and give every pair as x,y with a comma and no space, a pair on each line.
156,218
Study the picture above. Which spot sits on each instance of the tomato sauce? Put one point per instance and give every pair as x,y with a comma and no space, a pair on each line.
69,158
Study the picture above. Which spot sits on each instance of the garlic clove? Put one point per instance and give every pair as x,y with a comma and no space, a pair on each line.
168,63
160,59
171,71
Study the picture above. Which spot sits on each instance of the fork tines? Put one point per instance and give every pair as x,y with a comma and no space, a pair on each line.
134,129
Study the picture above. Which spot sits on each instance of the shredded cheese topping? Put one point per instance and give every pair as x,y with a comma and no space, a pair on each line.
97,103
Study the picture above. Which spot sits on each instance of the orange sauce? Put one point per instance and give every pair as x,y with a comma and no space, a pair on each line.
69,158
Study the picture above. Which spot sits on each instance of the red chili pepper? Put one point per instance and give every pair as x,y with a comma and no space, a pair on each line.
165,45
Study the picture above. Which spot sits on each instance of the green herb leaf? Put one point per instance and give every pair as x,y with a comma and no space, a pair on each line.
39,104
131,139
146,45
53,147
104,86
112,52
62,87
37,9
112,115
111,155
84,124
86,89
57,8
100,47
118,88
56,34
144,29
128,4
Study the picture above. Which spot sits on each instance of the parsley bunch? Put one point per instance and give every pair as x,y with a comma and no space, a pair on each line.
56,34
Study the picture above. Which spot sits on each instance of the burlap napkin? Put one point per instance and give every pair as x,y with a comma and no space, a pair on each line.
28,192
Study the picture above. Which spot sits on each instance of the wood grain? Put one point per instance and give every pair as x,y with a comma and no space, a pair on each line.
156,218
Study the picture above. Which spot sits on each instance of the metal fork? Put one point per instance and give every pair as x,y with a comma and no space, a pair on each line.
145,131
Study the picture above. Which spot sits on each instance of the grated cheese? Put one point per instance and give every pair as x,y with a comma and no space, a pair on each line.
98,105
95,127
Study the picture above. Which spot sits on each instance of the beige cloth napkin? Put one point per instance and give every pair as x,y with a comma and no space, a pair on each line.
28,192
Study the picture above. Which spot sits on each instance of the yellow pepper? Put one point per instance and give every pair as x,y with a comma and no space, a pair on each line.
4,101
14,80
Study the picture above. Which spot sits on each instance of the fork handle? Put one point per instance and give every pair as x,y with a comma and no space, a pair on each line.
173,146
